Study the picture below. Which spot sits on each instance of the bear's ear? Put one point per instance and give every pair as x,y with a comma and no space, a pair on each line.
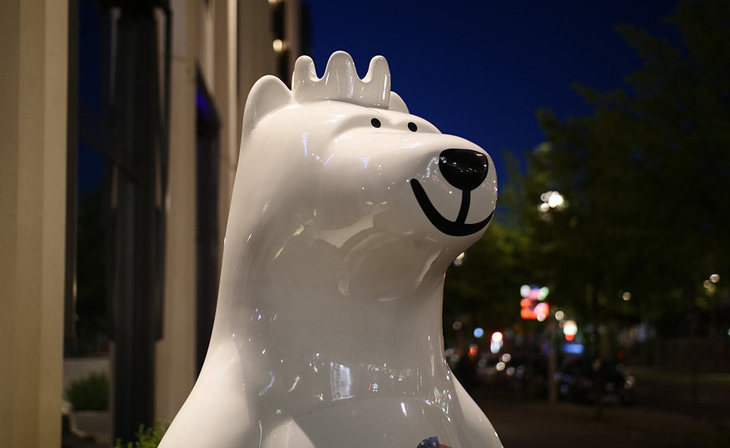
266,96
396,103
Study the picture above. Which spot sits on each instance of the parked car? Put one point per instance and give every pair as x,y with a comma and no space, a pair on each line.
586,380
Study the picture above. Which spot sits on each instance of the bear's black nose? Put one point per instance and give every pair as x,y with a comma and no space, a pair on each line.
463,168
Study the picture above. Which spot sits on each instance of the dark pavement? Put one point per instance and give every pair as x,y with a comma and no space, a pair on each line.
665,414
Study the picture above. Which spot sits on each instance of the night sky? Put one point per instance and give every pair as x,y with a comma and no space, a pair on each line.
480,69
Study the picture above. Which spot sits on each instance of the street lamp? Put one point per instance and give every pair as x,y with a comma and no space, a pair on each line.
710,283
551,200
570,329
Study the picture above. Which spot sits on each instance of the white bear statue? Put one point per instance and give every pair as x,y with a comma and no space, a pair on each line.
346,212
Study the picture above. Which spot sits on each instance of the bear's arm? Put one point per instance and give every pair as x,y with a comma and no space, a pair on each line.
216,414
479,430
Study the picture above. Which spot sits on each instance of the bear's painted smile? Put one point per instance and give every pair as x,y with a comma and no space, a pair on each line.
453,228
465,169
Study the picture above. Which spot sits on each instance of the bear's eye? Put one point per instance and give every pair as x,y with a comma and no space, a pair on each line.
375,122
412,126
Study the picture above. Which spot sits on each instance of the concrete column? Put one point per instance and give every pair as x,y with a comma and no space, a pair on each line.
175,353
225,93
256,56
33,89
292,34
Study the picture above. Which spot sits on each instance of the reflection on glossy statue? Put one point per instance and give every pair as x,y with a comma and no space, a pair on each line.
346,212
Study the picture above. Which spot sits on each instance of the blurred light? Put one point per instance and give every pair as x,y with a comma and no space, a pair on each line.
496,345
449,352
500,366
478,332
714,278
482,363
559,315
551,199
459,260
573,349
569,337
621,354
525,290
278,45
542,311
454,358
626,296
728,331
555,200
273,2
533,305
570,328
473,350
707,284
506,357
630,381
456,326
510,371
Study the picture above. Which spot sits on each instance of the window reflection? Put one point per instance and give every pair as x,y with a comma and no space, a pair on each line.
340,381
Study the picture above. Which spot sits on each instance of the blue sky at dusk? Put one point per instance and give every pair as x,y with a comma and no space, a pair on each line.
480,69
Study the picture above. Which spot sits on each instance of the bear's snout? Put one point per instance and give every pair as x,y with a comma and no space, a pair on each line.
464,168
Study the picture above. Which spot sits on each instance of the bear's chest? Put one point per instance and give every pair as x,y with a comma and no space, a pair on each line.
384,422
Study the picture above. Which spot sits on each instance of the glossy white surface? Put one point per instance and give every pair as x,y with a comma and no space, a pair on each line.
328,323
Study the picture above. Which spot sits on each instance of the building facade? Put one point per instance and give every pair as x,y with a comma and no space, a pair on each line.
56,135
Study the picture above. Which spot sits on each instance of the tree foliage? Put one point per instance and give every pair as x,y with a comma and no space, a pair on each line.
486,285
646,178
646,182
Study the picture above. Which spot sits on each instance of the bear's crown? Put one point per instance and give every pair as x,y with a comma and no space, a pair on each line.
341,82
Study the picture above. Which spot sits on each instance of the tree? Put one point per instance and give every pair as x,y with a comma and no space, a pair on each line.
646,178
486,285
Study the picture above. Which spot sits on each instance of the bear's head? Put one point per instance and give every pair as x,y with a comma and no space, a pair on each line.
337,171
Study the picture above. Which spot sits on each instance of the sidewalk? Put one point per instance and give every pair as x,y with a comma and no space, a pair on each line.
539,424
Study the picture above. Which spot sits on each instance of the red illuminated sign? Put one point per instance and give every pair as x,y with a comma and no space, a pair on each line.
533,305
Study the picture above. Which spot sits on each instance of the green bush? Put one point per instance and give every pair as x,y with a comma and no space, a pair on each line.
146,438
90,393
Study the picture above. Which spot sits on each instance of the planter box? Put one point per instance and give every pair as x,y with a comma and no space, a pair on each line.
97,424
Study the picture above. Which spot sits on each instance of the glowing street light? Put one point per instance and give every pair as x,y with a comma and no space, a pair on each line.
551,200
278,45
570,329
710,283
497,341
555,200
